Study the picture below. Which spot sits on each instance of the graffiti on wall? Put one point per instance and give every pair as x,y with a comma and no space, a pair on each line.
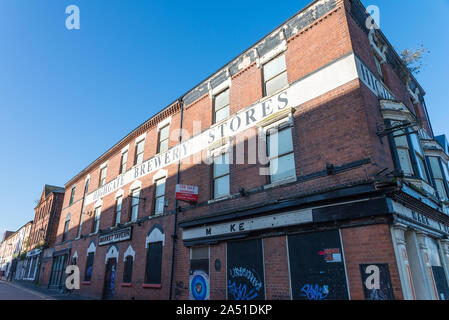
199,286
376,282
317,267
245,284
315,292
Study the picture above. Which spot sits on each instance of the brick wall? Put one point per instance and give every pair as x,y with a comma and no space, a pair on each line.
337,128
369,245
277,281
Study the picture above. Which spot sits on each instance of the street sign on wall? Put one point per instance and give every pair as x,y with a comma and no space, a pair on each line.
186,193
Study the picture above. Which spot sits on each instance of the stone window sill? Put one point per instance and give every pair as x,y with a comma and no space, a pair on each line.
219,199
280,183
152,286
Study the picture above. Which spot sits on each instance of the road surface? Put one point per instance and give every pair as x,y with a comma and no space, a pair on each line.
10,291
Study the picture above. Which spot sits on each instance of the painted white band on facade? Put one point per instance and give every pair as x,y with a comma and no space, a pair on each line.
336,74
246,225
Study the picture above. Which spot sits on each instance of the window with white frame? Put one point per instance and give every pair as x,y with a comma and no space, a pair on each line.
280,153
118,210
86,190
403,151
138,159
439,178
159,197
379,67
221,106
102,181
420,162
446,171
163,139
123,161
135,200
96,222
275,75
66,227
221,176
72,195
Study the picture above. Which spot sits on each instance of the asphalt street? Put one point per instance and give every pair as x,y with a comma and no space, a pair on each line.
10,291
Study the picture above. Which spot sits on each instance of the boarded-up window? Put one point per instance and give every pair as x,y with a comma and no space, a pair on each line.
317,269
89,267
127,276
199,274
245,270
154,263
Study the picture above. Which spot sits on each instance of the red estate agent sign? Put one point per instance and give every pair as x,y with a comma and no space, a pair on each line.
187,193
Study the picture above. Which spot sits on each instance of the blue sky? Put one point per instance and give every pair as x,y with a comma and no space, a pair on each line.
68,96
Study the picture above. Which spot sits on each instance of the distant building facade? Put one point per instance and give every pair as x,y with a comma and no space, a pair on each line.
11,249
43,234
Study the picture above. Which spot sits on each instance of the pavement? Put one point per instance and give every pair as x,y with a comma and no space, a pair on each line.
10,291
25,290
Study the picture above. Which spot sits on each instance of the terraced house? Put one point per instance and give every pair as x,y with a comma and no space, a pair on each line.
39,260
313,169
12,248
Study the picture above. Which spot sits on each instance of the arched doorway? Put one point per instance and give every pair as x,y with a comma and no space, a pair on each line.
110,275
110,279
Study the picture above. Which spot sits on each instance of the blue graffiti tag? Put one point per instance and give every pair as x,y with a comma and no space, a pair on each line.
376,294
239,292
314,292
113,275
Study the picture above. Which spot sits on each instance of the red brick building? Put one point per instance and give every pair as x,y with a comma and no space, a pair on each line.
318,177
43,234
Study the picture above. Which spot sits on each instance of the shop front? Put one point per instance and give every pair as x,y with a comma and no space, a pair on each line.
32,265
57,273
421,243
293,253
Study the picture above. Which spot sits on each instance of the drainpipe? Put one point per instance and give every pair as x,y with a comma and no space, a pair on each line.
175,223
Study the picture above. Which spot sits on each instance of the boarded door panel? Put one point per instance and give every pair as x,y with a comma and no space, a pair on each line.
441,282
154,263
317,270
245,270
376,281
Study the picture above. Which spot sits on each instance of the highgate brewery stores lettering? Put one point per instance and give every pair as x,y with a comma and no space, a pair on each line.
240,122
116,236
334,75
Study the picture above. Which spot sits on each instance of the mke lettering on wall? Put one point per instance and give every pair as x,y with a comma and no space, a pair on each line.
334,75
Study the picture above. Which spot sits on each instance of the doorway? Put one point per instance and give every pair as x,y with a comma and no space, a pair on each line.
245,270
317,269
109,279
